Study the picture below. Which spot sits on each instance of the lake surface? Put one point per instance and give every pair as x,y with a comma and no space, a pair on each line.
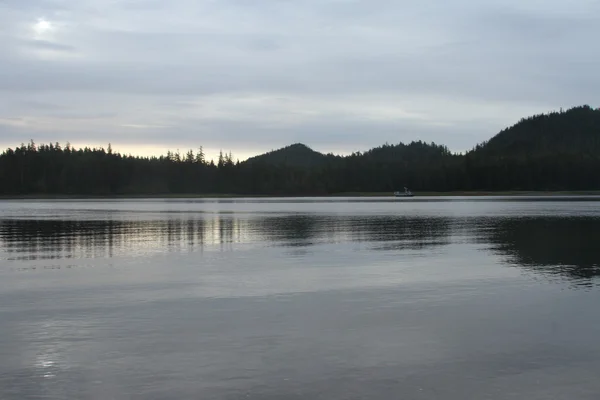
345,298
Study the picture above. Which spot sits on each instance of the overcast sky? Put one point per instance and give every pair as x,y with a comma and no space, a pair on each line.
249,76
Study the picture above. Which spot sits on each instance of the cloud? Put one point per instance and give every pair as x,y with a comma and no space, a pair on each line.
47,45
342,74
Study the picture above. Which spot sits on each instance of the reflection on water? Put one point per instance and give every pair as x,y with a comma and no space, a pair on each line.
56,239
386,232
551,246
396,233
554,247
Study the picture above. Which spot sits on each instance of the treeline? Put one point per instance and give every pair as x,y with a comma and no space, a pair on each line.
556,151
52,169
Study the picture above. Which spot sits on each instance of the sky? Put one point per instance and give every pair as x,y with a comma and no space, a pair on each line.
248,76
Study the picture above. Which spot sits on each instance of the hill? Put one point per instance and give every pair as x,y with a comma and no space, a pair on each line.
390,167
575,131
295,155
555,151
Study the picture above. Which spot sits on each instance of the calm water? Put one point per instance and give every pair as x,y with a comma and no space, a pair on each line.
300,299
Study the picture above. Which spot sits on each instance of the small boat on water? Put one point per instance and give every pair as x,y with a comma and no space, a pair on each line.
406,193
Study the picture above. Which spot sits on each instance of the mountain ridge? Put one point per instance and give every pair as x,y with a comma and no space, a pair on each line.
526,136
545,152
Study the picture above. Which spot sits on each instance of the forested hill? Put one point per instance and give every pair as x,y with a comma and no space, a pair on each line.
556,151
295,155
575,131
559,150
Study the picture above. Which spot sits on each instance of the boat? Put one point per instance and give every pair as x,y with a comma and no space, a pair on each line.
406,193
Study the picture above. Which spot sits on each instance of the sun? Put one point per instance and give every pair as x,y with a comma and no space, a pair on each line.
42,26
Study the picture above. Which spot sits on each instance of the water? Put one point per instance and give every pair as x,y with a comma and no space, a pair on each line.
456,298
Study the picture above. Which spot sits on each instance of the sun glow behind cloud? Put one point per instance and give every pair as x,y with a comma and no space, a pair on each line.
42,28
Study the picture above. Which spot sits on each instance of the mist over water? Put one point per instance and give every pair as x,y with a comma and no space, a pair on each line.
335,298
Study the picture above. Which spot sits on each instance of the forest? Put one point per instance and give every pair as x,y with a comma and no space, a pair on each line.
546,152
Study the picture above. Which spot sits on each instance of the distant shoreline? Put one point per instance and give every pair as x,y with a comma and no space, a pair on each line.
483,193
346,194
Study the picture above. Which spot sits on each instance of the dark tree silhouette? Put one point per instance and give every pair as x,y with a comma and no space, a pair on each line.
555,151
